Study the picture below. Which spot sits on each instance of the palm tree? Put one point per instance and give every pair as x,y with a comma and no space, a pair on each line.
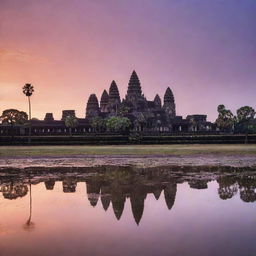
28,90
71,122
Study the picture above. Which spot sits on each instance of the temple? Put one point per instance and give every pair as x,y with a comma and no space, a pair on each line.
146,116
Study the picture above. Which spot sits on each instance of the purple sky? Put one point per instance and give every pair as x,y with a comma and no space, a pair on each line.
205,50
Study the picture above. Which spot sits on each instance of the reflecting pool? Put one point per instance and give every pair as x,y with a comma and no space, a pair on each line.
128,211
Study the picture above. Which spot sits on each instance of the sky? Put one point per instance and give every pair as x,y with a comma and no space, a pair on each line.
204,50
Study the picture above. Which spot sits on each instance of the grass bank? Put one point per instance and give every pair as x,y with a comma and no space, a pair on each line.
175,150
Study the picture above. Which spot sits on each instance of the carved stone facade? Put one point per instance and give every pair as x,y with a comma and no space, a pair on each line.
65,113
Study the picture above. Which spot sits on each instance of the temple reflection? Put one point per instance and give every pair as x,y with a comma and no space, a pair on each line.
69,186
117,185
137,197
93,185
157,192
170,194
49,184
198,184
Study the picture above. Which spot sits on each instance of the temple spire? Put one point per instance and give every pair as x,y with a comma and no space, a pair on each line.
157,101
169,103
114,96
104,101
104,97
134,87
92,108
168,96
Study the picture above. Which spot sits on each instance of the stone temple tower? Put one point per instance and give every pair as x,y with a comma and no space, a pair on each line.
104,102
134,88
169,103
114,98
92,108
158,102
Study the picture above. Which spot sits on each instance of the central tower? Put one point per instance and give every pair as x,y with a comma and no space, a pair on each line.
134,88
134,96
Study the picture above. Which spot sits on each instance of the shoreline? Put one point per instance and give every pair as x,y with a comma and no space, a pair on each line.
145,161
140,155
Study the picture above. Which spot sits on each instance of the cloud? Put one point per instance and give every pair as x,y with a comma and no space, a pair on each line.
20,56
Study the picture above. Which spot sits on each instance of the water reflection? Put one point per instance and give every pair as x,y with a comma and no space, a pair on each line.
29,225
14,190
114,185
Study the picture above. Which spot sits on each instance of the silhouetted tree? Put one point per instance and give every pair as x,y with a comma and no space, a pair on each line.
118,124
71,122
28,90
226,119
98,124
227,187
245,120
13,117
13,191
247,186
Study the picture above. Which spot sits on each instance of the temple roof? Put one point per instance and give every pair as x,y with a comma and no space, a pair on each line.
134,84
66,113
113,91
104,97
48,117
157,100
92,104
93,99
157,97
168,96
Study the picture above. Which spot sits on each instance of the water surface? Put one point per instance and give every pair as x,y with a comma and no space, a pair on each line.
127,211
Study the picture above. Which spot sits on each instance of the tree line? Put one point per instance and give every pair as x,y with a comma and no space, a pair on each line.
243,122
